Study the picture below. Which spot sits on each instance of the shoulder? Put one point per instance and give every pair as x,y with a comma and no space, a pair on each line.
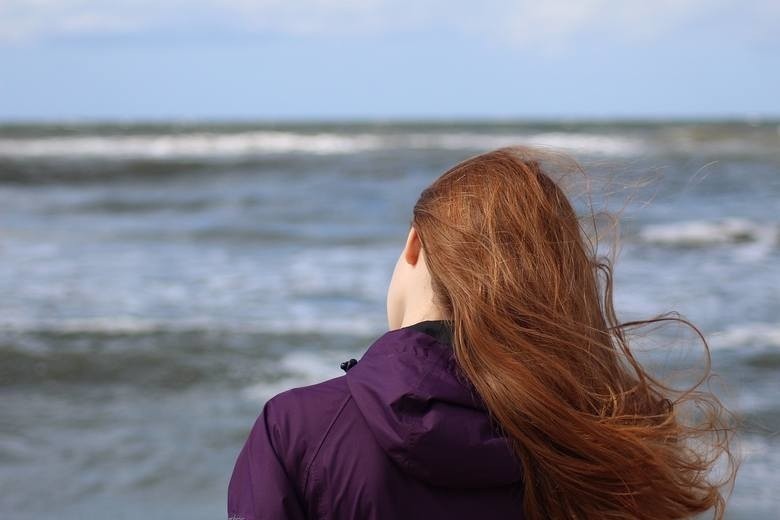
309,397
297,420
300,410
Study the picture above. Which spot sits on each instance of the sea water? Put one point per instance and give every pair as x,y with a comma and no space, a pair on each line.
161,281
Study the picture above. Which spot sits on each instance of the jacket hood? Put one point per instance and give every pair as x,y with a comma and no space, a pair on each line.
424,413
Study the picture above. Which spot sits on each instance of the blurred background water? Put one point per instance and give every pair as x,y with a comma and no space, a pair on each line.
161,281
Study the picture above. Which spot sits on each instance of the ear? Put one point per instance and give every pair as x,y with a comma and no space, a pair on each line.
412,248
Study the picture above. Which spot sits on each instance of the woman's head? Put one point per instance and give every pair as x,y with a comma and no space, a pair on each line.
496,247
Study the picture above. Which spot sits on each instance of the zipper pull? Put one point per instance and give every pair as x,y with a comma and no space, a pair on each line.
346,365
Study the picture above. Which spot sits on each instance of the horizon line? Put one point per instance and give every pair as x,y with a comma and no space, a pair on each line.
749,118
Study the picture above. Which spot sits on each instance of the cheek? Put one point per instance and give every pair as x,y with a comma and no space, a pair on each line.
395,295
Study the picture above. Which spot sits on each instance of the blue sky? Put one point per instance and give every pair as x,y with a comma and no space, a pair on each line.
379,59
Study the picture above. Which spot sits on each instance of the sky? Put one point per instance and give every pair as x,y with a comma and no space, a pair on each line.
388,59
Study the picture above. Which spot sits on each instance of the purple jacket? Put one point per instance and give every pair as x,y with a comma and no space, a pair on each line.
401,435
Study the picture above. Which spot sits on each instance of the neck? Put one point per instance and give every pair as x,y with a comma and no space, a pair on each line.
415,316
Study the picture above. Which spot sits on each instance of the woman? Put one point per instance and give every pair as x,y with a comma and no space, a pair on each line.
503,389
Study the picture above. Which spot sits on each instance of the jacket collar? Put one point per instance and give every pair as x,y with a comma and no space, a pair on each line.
441,330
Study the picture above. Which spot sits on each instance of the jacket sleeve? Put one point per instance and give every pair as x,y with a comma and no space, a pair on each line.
260,487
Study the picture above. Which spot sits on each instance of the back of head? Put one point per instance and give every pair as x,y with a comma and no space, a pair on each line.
597,435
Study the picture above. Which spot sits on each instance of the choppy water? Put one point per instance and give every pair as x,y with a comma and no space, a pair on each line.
160,282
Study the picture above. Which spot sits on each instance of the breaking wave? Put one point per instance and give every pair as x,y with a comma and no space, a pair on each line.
695,233
205,145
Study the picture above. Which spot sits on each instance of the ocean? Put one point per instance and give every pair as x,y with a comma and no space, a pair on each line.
160,281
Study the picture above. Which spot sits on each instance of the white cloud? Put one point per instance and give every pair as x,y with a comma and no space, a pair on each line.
548,24
30,20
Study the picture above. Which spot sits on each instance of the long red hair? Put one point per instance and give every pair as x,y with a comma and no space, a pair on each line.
518,276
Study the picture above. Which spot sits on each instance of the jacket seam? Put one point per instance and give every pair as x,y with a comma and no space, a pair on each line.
307,471
413,436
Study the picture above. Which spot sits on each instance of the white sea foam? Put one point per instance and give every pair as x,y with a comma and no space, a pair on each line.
192,145
95,325
576,142
590,143
205,145
756,335
301,368
129,325
711,232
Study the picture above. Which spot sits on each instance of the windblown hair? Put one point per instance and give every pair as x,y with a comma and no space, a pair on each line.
517,275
